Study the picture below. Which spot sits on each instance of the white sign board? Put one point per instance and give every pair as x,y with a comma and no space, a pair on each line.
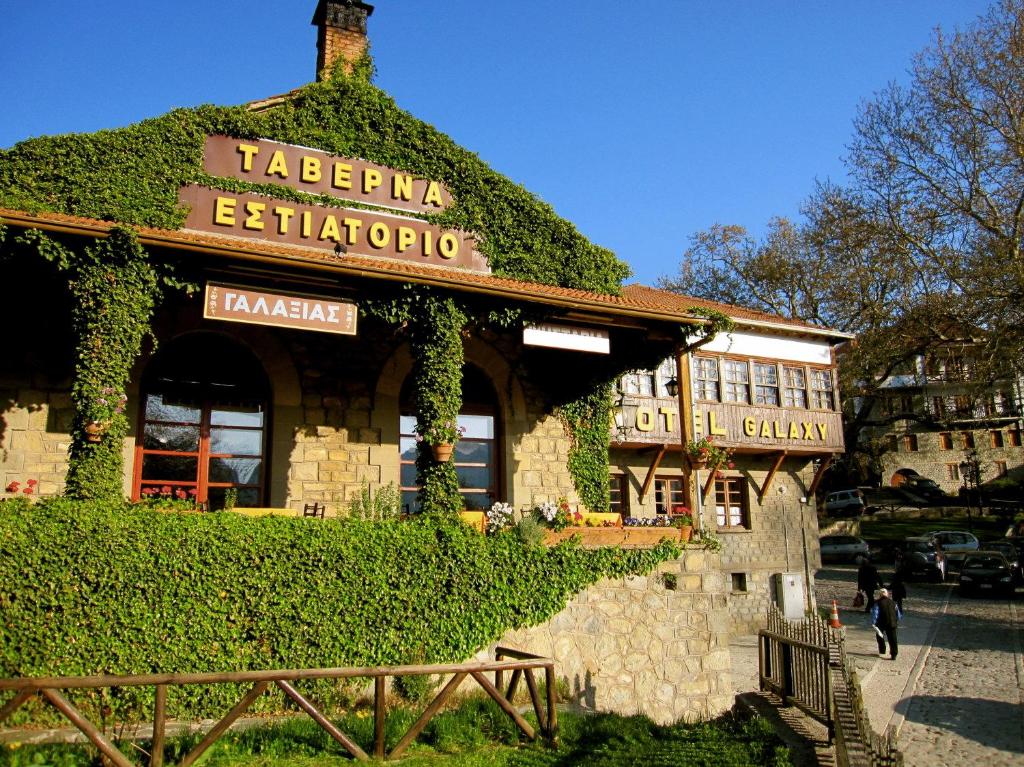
574,337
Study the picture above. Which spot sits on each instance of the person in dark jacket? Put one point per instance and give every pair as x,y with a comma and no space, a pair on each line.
885,617
898,591
867,581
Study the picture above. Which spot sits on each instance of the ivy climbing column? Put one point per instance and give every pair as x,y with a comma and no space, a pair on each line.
436,338
588,421
115,290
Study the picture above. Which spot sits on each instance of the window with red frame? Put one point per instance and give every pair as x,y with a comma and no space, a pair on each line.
203,424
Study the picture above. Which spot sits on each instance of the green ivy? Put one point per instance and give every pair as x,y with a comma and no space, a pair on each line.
96,587
114,290
588,423
435,337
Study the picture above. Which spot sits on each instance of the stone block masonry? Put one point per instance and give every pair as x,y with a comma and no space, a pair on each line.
636,646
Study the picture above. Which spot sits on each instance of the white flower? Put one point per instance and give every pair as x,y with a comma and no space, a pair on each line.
499,517
548,510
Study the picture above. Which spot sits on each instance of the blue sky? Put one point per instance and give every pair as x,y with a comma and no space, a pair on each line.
642,122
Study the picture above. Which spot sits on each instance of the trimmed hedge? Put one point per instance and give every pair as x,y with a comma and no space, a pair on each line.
89,588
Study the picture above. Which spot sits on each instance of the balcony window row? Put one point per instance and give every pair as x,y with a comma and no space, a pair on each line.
762,383
964,406
947,440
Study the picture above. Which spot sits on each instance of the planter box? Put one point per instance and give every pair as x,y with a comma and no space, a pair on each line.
628,537
475,519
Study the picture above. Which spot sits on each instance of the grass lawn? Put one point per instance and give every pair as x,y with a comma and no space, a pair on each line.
477,734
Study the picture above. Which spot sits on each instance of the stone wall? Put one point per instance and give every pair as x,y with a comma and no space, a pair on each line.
638,646
931,460
34,441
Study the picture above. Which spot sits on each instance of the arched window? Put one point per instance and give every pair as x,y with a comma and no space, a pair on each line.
476,453
203,423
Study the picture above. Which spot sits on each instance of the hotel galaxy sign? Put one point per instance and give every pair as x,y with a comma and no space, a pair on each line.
655,420
391,229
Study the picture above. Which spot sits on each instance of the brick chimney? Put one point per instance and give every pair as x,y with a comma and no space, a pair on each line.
342,33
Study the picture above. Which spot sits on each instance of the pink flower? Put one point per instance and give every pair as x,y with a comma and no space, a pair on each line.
32,483
180,494
28,491
731,465
13,487
165,490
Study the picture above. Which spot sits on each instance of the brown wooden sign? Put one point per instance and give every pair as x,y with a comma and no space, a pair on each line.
244,214
315,172
655,420
285,310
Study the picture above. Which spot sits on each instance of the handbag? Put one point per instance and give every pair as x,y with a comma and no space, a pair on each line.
858,601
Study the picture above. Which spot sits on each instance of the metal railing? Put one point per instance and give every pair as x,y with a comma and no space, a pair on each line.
521,665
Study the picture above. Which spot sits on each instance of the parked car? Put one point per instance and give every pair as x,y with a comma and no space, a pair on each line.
843,548
986,572
921,555
844,503
1013,556
955,541
925,488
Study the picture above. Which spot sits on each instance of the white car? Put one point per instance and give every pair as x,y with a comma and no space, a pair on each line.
955,541
844,548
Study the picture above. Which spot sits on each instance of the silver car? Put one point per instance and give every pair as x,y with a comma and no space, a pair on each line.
955,541
843,548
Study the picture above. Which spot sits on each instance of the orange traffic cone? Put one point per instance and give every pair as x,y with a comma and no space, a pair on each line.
833,619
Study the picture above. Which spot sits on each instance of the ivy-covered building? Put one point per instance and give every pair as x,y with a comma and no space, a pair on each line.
284,303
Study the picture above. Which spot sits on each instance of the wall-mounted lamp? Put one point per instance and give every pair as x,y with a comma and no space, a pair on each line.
672,387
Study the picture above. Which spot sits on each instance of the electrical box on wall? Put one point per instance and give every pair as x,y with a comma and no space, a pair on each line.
790,595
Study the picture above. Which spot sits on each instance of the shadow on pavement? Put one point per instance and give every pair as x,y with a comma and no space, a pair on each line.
991,723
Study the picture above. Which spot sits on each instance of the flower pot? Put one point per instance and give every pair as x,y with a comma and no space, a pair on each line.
94,431
685,533
697,463
442,451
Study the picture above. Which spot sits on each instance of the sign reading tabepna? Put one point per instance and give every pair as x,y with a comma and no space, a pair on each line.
315,172
258,307
390,233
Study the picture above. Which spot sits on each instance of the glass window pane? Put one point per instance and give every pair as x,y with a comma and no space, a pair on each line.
472,452
237,415
408,447
407,424
237,471
181,439
169,468
236,441
165,407
408,475
477,426
473,476
409,503
477,501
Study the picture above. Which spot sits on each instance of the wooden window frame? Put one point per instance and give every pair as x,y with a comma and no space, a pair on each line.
822,394
953,472
967,440
622,491
909,443
701,385
995,437
945,440
660,481
740,487
793,389
731,385
1013,438
764,390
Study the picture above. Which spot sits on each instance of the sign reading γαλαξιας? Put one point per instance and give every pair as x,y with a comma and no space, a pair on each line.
235,304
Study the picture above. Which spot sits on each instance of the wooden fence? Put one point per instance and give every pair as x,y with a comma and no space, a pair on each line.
521,665
805,664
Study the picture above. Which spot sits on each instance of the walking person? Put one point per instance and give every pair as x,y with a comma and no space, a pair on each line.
885,617
898,591
867,581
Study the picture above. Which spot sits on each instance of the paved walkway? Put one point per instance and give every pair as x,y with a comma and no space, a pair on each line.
955,693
